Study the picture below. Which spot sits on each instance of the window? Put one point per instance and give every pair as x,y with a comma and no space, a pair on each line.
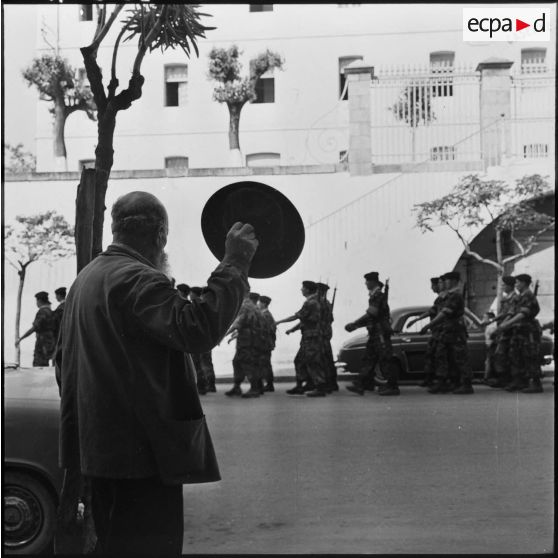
442,153
533,60
177,162
441,62
344,61
261,7
414,328
176,81
535,150
263,159
86,164
86,12
265,90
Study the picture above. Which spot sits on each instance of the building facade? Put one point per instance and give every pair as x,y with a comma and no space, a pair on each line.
301,115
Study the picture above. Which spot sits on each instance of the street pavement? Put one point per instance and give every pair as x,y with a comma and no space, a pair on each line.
415,474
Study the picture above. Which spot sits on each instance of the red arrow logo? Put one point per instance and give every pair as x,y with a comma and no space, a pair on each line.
519,25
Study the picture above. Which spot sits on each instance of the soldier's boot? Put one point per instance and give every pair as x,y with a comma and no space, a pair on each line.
535,386
235,391
255,389
297,390
320,391
309,386
441,386
464,389
356,388
516,385
261,386
211,388
392,389
269,387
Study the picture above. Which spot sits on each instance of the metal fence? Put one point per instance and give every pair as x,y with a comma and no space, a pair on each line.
533,112
425,114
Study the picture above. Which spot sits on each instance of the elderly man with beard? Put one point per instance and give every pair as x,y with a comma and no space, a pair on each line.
131,419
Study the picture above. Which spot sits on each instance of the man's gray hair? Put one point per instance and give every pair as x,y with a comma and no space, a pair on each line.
137,214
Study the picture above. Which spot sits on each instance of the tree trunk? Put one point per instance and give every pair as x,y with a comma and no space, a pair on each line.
21,274
104,159
60,155
234,121
85,207
500,272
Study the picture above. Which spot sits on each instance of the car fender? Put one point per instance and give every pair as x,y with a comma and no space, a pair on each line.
41,474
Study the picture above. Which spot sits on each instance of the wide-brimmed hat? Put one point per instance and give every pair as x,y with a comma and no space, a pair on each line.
276,221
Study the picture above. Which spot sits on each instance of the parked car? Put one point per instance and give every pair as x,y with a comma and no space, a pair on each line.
409,345
31,476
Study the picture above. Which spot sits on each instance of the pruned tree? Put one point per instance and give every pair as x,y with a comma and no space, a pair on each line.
47,237
18,161
475,202
414,107
60,84
154,26
235,90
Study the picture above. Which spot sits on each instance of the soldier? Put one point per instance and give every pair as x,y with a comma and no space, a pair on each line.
60,295
378,348
453,368
270,337
43,327
248,331
309,358
326,319
432,312
524,341
502,338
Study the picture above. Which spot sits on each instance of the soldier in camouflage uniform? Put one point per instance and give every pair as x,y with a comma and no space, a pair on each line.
524,351
377,321
58,312
309,361
502,337
43,327
326,319
248,330
429,366
270,337
453,368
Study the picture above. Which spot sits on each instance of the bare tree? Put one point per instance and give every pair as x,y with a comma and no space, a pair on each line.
46,236
235,90
475,202
60,84
154,26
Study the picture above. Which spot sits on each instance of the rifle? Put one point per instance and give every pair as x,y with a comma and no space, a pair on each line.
333,297
536,288
386,289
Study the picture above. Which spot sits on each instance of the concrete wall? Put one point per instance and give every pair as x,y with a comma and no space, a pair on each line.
354,224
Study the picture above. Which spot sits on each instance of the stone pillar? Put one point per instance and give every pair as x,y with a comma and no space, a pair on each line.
495,110
359,77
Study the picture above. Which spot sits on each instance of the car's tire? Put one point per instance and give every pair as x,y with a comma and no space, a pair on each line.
29,514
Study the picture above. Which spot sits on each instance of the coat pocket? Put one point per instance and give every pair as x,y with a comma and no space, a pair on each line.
183,451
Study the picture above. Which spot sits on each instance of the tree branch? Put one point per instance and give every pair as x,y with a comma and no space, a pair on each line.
113,79
474,254
101,33
95,78
151,36
531,243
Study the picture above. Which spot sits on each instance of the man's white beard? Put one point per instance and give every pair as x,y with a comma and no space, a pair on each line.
163,264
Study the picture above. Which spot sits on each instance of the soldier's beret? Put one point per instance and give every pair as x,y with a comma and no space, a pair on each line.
372,276
322,286
60,291
524,278
310,285
434,280
265,299
254,296
452,275
196,290
183,288
42,296
508,280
